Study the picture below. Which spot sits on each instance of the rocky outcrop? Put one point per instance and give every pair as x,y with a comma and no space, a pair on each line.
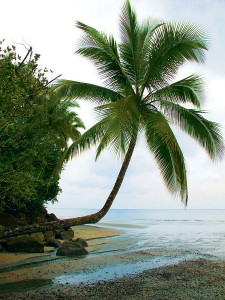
21,219
25,244
35,239
62,239
51,217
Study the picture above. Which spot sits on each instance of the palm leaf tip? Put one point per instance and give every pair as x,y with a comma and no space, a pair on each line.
218,141
191,121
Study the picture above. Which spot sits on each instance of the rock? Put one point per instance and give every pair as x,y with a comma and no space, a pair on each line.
49,234
39,219
53,243
44,211
70,232
64,235
8,220
71,251
38,236
72,244
19,236
25,244
82,242
51,217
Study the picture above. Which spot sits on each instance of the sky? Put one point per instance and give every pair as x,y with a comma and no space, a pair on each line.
49,27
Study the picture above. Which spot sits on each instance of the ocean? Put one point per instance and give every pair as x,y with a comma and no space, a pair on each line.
198,232
161,237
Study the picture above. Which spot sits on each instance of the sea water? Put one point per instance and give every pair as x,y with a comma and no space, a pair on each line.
197,231
173,235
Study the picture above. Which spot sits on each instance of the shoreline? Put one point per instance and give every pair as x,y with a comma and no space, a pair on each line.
199,279
111,272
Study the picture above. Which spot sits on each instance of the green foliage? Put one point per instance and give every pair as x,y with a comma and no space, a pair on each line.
141,93
35,126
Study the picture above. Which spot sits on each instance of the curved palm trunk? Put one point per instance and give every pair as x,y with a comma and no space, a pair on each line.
89,219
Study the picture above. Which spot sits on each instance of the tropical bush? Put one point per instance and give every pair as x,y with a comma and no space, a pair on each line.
35,127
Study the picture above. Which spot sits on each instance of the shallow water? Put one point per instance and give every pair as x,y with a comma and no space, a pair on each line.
119,270
201,231
173,236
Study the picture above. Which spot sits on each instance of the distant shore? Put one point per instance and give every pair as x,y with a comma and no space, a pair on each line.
28,276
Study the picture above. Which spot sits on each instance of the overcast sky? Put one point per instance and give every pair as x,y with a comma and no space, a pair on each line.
48,26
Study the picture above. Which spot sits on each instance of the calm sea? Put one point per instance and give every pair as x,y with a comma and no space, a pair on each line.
200,232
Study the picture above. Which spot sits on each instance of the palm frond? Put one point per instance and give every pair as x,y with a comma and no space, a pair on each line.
205,132
88,139
169,157
121,120
135,38
171,45
103,51
61,119
69,89
187,90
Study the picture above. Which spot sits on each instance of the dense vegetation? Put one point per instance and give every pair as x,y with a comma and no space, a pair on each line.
35,126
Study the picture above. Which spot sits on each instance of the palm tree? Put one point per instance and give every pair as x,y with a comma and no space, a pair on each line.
140,94
63,120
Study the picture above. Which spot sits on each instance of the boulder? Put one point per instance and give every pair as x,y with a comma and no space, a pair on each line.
72,244
38,236
65,235
25,244
8,220
49,234
53,243
82,242
51,217
70,232
71,251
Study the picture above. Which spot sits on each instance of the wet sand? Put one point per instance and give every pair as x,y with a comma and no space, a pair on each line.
110,275
89,233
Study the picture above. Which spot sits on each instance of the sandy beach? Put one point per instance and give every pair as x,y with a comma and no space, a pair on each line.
110,272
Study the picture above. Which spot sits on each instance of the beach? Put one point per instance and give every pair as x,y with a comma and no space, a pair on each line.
110,271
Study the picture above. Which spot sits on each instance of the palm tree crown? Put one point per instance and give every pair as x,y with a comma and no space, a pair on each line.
63,121
140,94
